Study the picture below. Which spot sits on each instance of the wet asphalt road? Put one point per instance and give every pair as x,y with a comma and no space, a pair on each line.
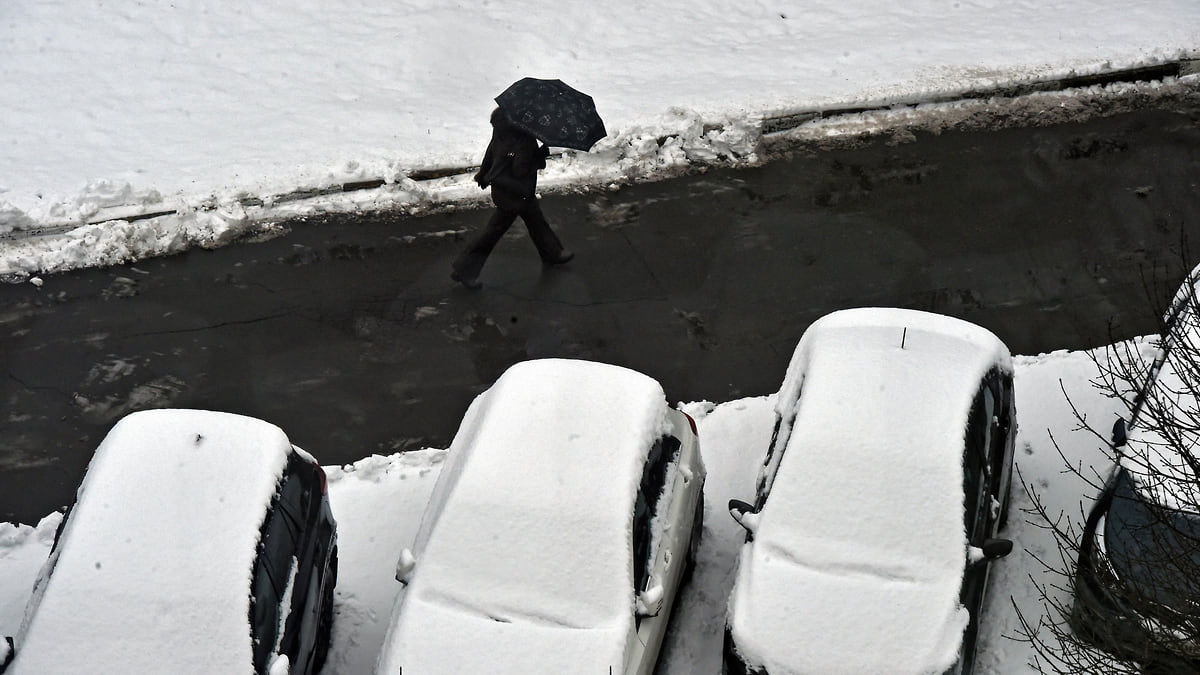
348,333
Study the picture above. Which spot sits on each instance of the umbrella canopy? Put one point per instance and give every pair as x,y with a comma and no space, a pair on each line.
554,113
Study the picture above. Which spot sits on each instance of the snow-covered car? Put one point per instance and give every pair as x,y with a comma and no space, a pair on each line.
559,531
1137,577
199,542
879,500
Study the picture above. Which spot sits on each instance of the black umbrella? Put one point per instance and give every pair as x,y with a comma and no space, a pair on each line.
553,113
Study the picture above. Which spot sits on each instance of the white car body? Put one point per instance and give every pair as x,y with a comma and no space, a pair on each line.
523,562
856,558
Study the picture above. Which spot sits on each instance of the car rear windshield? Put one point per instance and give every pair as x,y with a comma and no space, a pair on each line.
1155,550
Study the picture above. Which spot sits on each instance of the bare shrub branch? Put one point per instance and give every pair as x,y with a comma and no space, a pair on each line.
1121,592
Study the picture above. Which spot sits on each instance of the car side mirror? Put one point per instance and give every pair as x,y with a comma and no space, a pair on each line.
996,548
1119,433
650,601
744,514
405,565
7,653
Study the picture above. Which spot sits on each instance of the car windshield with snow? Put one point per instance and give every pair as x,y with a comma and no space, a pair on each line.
559,532
199,542
878,502
1137,577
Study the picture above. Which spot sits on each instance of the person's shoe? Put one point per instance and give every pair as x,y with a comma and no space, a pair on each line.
562,259
469,282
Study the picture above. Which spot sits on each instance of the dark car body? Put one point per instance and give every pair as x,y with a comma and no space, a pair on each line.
158,566
299,525
1137,580
1137,577
831,413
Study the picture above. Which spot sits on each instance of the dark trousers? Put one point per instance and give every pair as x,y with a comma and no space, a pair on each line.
470,261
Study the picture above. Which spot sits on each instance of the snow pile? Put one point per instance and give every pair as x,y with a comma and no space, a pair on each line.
23,550
378,503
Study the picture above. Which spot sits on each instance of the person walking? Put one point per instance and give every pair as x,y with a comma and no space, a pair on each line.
509,167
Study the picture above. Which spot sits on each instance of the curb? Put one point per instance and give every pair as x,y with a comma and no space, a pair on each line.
789,121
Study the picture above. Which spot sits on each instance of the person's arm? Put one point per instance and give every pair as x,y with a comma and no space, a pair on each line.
485,166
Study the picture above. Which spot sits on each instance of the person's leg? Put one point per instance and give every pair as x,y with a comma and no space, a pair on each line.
548,245
470,262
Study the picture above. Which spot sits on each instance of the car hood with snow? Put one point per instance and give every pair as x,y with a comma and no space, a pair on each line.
446,634
857,556
845,616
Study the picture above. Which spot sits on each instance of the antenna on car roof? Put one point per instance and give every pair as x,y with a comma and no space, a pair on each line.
903,337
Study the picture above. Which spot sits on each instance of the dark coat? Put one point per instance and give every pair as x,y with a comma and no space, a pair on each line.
510,164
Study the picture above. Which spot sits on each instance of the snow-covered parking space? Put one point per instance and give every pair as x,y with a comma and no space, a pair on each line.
379,501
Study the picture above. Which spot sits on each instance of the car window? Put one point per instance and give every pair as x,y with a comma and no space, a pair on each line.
975,463
1001,388
293,502
309,495
278,542
988,423
62,525
650,490
766,472
770,465
976,491
1153,548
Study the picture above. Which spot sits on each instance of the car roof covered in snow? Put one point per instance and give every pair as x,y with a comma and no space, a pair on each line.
860,547
527,533
165,526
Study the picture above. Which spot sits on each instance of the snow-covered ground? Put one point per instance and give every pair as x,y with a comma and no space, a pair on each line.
226,118
379,501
